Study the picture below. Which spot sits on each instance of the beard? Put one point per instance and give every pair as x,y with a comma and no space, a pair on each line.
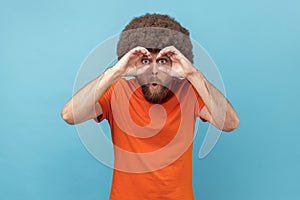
158,95
155,89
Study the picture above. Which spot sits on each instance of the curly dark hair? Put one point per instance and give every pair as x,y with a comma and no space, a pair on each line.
155,31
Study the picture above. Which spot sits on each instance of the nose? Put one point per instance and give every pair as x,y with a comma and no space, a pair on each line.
154,70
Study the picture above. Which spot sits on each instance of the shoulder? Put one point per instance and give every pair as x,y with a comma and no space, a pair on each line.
123,82
124,86
127,81
181,86
184,90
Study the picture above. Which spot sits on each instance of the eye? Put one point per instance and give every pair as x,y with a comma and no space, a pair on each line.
162,61
145,61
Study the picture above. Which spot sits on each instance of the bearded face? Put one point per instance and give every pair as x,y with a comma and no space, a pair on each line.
155,93
155,82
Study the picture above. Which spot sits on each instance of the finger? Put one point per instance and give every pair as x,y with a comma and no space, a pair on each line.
164,69
137,58
169,71
142,69
133,52
167,51
141,50
169,54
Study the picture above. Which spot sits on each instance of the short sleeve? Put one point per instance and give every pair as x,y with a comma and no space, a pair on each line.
199,105
105,103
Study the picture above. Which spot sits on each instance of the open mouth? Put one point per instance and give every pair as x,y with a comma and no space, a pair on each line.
154,85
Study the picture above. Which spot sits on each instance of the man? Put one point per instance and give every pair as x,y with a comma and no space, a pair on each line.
152,115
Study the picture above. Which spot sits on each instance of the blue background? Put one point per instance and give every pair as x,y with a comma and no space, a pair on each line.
255,45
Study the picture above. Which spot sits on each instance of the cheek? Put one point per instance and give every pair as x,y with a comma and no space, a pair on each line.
166,79
142,79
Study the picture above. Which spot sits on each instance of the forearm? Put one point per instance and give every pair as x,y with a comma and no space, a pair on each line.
83,105
220,110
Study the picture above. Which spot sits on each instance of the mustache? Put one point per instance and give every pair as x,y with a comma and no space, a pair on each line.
155,80
157,97
151,80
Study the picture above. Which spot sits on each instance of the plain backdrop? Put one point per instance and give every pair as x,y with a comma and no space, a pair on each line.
255,45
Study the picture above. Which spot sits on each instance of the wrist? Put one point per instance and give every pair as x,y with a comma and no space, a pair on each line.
192,72
114,73
196,76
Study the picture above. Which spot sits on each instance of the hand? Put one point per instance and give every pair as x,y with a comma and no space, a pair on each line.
128,65
181,66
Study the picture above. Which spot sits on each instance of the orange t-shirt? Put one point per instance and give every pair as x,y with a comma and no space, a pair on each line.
152,142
